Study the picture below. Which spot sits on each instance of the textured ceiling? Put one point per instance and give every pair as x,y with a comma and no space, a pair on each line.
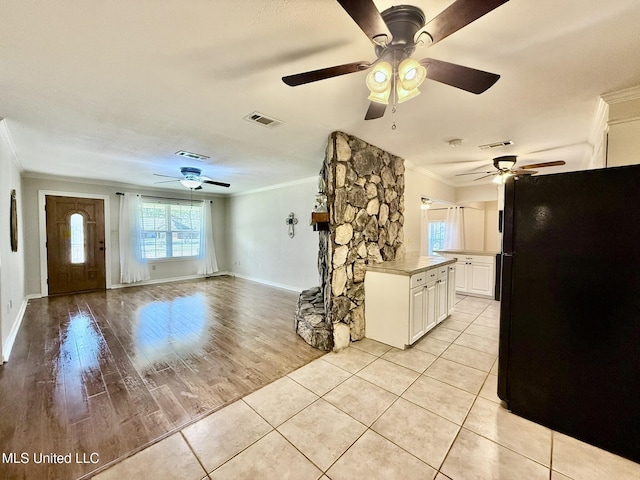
111,90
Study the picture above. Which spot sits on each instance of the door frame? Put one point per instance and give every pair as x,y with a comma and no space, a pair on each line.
42,218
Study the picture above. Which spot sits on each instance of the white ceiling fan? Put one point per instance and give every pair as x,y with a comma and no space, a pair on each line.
192,179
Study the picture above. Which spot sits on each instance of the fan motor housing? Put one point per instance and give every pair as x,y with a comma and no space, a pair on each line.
190,172
403,22
505,162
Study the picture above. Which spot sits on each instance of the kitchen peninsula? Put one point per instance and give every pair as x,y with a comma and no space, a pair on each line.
404,299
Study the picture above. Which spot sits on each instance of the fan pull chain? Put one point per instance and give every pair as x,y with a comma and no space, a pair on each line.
393,92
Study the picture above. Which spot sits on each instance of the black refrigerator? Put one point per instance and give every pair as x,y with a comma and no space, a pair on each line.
570,309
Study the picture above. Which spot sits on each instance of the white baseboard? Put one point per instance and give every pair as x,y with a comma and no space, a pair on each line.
167,280
8,345
267,282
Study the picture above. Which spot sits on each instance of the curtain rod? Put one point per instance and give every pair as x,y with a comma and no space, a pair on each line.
167,198
433,209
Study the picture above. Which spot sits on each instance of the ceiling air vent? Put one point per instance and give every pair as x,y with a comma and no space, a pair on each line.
490,146
263,120
192,156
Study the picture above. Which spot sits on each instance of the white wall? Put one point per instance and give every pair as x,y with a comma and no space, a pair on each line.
260,247
12,264
420,184
473,228
492,236
164,269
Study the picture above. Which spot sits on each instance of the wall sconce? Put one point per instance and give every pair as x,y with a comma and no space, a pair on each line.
425,203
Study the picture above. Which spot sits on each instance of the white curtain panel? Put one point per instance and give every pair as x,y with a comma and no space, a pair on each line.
454,229
424,232
208,263
133,267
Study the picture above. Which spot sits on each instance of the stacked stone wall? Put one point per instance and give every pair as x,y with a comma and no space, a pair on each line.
365,192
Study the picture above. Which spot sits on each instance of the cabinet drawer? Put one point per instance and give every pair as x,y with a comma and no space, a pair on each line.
431,274
476,259
419,279
442,271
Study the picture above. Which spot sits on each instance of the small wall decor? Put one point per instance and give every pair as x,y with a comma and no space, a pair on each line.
14,222
291,221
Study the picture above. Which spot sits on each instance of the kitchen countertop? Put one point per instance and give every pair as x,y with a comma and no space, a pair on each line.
409,265
469,252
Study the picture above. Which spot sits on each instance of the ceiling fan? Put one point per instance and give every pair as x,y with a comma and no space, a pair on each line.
505,168
192,179
396,32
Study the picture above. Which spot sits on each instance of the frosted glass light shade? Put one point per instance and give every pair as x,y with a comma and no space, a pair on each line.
379,83
190,183
404,95
411,74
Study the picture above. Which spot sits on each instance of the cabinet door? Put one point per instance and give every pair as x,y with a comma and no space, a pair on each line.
481,279
451,287
461,276
431,305
442,310
417,314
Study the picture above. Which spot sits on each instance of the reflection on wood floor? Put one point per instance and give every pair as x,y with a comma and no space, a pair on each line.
109,372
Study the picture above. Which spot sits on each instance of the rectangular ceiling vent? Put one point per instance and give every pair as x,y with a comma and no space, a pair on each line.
263,120
490,146
191,155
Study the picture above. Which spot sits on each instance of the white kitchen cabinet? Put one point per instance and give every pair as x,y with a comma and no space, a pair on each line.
431,305
441,294
475,274
423,314
416,318
451,289
481,281
461,276
400,309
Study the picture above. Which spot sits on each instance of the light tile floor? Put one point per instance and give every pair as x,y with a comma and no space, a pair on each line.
375,412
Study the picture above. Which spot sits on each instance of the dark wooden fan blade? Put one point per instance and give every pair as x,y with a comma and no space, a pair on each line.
213,182
458,15
557,163
521,172
486,176
368,18
323,73
465,78
473,173
376,110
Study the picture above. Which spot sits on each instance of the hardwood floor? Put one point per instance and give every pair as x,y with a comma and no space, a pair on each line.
108,372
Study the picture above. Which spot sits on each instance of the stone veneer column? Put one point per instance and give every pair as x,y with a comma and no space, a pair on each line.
365,191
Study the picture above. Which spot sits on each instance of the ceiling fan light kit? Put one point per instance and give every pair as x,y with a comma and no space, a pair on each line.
396,32
192,179
504,168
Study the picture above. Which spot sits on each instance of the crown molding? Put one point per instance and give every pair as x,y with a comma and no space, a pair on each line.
620,96
4,131
278,186
411,166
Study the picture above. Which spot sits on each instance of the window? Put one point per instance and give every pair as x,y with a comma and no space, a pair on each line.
436,236
77,238
170,230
